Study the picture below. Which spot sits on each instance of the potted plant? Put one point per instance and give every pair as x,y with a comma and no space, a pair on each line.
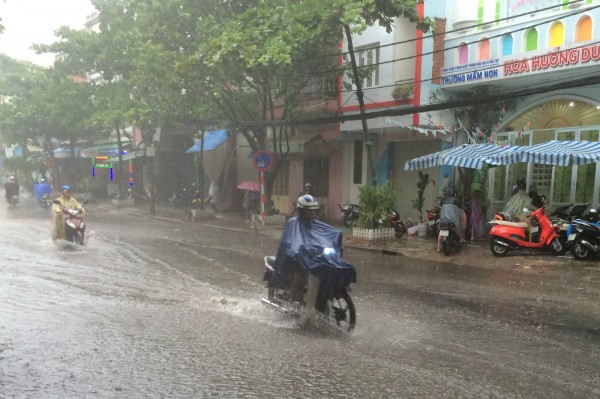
418,203
375,203
402,91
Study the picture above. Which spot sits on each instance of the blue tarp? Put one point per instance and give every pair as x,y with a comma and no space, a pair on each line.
304,243
212,140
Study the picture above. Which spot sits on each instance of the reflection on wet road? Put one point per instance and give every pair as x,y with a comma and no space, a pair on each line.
153,308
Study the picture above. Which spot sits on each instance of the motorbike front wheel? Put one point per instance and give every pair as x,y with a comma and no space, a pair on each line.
580,251
344,311
556,246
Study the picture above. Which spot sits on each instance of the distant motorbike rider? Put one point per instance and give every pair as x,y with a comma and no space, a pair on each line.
11,188
65,201
42,188
451,210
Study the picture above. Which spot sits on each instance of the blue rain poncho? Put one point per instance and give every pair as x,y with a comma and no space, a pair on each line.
317,248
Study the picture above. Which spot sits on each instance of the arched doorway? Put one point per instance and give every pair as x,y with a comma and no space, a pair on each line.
557,119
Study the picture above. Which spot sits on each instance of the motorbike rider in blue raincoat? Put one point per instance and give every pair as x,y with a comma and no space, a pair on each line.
41,188
310,245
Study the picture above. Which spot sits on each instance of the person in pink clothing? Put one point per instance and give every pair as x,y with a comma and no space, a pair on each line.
477,225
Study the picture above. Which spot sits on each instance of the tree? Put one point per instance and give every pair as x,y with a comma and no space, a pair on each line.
357,16
137,52
258,62
42,105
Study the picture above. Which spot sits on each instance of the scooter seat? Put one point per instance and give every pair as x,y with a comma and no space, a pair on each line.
511,224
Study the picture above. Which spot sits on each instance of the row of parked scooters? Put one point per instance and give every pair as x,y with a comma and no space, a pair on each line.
571,228
568,228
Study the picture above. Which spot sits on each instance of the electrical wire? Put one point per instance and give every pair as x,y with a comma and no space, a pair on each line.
586,80
458,46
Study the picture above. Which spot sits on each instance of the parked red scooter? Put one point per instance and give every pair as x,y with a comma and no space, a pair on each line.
505,236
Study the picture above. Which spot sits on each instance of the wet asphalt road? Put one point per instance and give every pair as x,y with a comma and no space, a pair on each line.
153,308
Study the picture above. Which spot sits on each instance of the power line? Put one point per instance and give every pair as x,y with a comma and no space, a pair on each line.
470,70
546,20
458,46
473,26
588,80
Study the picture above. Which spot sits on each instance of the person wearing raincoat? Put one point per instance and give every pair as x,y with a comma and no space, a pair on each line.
519,201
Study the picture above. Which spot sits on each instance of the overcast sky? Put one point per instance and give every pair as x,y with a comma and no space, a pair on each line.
34,21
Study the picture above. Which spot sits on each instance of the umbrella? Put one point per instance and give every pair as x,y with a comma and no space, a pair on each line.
249,186
468,156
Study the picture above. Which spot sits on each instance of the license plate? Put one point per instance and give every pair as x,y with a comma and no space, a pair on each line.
431,222
571,237
444,233
535,229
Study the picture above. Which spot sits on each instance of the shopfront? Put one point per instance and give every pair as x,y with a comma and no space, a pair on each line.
560,119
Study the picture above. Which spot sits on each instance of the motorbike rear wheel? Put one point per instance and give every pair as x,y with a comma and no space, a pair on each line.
497,248
447,246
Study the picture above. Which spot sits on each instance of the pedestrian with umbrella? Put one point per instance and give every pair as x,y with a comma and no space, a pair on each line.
251,197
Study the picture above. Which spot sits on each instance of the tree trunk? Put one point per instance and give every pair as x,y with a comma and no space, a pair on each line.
371,170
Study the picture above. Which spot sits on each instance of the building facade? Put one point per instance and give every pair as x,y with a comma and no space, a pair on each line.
548,47
405,71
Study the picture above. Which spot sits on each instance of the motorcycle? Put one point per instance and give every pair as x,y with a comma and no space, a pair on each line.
45,201
584,236
74,225
13,199
397,224
335,306
350,213
433,217
506,236
309,276
449,236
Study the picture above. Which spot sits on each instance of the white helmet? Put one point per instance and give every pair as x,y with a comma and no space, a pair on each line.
307,201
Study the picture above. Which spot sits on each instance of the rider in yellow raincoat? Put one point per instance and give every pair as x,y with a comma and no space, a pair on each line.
65,202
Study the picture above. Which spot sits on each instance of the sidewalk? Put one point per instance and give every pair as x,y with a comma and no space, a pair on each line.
471,254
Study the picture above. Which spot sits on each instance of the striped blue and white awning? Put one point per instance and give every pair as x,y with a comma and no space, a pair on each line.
473,156
562,153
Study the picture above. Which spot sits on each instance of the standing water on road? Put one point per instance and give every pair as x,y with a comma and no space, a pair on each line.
152,308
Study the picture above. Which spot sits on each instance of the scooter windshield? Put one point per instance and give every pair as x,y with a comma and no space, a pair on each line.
317,247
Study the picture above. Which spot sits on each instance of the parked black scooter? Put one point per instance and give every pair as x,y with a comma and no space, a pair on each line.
397,224
584,236
449,236
350,213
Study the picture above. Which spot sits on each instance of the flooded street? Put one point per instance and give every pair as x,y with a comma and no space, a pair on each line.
153,308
